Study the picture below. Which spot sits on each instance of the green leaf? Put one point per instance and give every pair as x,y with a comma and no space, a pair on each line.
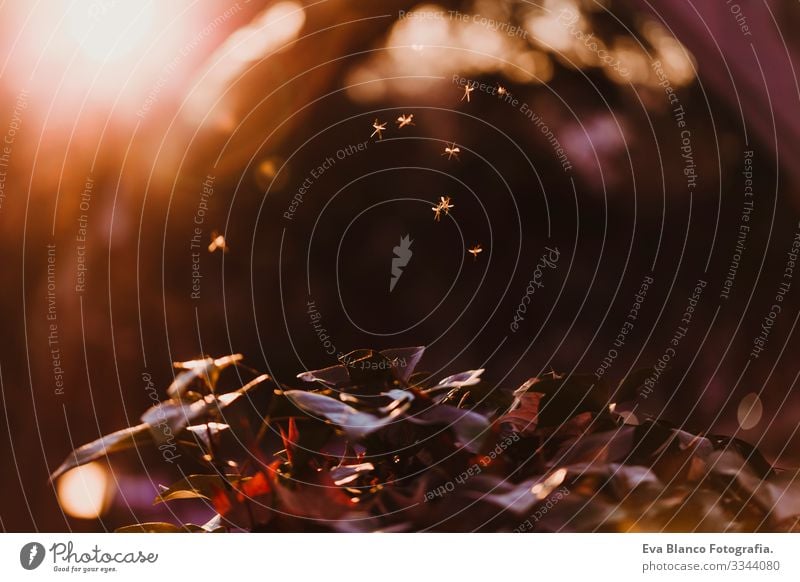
116,441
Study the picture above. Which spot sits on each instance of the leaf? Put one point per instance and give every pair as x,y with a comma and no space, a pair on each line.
355,423
290,440
567,396
369,371
222,502
116,441
468,378
368,367
348,473
405,360
623,479
203,432
193,528
600,447
152,527
197,487
651,438
754,458
523,416
575,427
257,485
778,497
400,398
214,524
784,495
169,418
420,380
623,415
327,502
522,497
469,427
332,377
206,369
626,478
235,503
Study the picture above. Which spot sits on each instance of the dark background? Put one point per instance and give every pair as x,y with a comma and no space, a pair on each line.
629,214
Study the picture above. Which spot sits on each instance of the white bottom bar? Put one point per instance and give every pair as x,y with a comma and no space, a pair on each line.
403,557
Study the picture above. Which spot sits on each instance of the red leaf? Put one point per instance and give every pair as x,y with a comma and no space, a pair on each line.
258,485
290,440
319,498
525,417
222,504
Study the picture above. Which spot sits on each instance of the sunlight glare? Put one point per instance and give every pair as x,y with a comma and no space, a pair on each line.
111,30
84,492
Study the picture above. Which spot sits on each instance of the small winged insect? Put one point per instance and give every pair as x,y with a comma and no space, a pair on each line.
404,120
444,205
467,92
452,151
218,243
379,129
475,251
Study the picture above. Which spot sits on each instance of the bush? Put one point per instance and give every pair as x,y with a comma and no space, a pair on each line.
370,445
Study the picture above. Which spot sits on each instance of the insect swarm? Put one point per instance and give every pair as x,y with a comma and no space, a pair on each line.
444,205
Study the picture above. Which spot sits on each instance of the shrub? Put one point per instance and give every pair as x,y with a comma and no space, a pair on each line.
371,445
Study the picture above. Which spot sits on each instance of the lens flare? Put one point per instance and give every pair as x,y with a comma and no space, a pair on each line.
85,492
109,30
